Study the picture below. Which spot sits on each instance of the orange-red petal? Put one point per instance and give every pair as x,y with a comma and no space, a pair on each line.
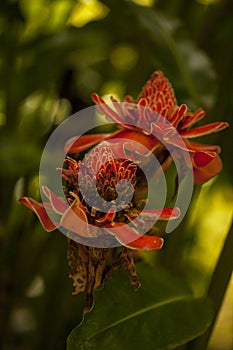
128,237
146,243
58,205
162,214
199,147
105,109
205,173
192,119
41,213
148,142
204,130
178,115
82,143
201,159
75,220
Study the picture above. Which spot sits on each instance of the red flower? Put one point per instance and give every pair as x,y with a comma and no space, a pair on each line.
108,168
157,99
75,215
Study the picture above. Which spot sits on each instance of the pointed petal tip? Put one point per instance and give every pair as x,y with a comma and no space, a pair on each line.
145,243
97,99
204,130
41,213
23,200
225,124
170,214
175,213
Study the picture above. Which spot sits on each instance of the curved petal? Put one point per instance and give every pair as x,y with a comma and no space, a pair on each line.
123,110
57,204
131,239
146,243
129,99
163,214
82,143
205,173
41,213
175,140
178,115
148,142
204,130
105,109
199,147
192,119
75,220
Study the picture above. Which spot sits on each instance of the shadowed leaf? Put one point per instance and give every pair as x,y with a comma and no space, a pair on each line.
161,315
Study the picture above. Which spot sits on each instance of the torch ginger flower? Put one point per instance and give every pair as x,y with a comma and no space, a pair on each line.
155,105
139,120
91,265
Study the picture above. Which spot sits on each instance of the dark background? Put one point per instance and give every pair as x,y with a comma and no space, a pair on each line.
53,55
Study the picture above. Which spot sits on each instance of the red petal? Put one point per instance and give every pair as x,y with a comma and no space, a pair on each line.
204,173
193,118
203,158
178,115
175,141
123,111
82,143
129,99
75,219
204,130
146,243
148,141
105,109
41,213
164,214
131,239
57,204
199,147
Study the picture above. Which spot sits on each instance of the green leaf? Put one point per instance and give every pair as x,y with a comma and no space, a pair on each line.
162,314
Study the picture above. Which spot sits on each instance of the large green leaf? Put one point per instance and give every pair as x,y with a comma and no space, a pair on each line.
162,314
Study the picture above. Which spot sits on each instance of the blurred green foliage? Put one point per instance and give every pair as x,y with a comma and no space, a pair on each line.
53,55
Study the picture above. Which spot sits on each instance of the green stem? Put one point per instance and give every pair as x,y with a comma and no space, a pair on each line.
217,288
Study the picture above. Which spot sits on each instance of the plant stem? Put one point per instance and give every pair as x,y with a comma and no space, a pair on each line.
217,288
